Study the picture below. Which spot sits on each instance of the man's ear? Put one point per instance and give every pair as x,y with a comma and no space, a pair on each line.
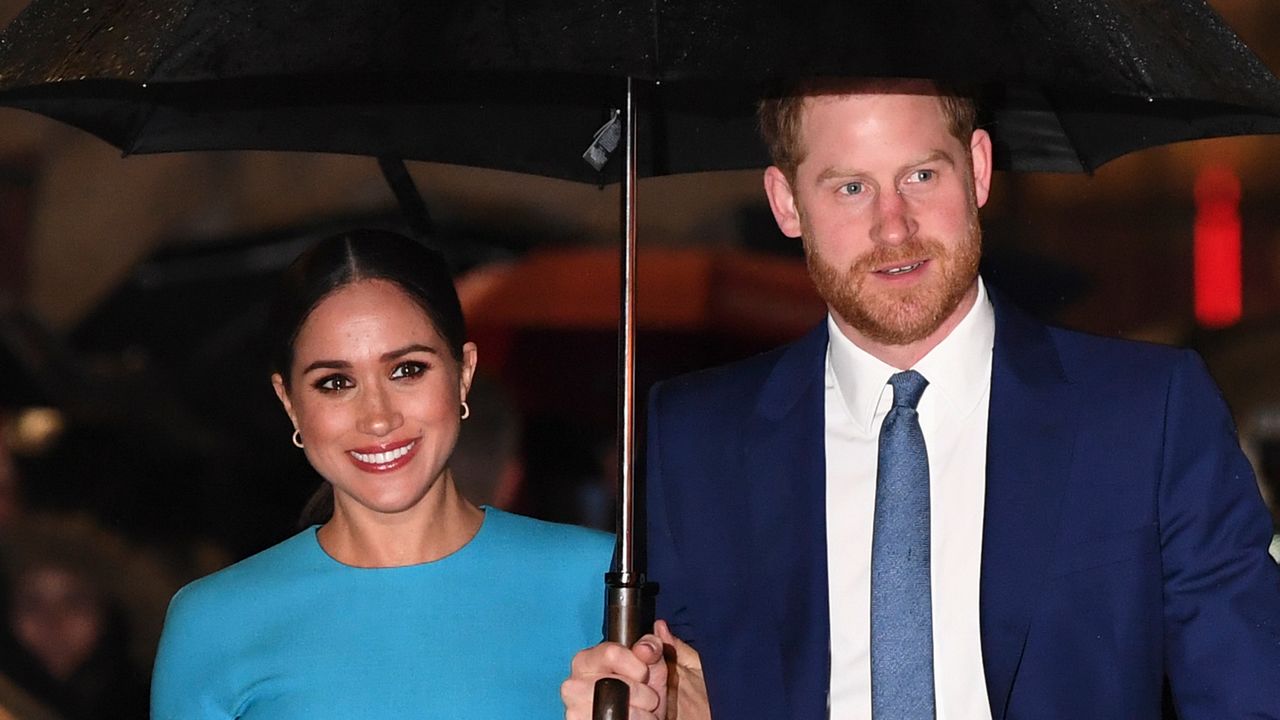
782,201
980,152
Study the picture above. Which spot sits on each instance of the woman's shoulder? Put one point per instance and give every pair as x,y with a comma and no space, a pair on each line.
520,532
567,562
258,572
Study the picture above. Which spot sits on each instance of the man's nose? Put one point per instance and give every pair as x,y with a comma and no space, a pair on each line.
894,222
378,413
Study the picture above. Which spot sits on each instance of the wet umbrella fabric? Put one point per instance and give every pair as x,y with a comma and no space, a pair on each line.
525,86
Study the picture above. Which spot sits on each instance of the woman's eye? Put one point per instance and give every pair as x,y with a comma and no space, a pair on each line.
853,188
408,370
333,383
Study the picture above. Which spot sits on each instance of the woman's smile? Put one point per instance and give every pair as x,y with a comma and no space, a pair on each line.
384,458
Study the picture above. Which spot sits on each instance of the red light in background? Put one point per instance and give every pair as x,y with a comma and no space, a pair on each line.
1218,293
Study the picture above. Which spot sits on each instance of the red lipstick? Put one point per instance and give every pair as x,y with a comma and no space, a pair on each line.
384,458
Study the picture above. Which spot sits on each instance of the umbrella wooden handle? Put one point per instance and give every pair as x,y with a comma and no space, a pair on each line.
611,700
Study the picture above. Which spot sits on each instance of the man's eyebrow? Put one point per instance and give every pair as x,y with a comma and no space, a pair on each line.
385,357
935,156
835,172
840,172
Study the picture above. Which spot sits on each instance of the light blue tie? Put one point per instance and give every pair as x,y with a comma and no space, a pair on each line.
901,611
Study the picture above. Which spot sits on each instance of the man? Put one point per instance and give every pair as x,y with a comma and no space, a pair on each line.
1090,526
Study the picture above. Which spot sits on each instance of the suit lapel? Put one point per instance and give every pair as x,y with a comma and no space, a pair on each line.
1030,440
784,472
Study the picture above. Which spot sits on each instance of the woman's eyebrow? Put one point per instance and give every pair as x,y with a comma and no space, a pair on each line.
326,365
415,347
387,356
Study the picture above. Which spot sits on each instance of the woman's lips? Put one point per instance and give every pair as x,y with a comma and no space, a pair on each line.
384,458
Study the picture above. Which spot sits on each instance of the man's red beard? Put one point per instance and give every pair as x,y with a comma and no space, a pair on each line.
899,317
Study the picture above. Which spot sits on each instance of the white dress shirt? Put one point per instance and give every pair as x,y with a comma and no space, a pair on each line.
953,416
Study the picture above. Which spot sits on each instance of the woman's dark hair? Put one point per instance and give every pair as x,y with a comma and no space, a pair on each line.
338,261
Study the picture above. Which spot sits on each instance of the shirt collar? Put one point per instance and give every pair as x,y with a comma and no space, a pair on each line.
958,368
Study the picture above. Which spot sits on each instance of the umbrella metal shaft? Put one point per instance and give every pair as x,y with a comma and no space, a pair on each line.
625,587
626,349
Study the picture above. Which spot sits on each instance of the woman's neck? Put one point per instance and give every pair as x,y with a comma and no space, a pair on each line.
438,526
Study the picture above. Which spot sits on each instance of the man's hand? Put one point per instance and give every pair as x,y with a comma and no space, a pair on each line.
686,686
642,667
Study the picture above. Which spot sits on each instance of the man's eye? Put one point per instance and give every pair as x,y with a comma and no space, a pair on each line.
853,188
921,176
408,369
333,383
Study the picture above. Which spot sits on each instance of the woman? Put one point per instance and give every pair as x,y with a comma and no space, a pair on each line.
410,602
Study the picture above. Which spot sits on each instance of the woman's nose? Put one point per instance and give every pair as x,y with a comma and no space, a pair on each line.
378,413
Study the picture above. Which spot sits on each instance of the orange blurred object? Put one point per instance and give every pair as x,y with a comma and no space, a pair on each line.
726,292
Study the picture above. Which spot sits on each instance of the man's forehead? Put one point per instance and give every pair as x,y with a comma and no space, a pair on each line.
924,147
855,107
817,89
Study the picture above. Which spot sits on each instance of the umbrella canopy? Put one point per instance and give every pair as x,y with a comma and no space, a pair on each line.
525,86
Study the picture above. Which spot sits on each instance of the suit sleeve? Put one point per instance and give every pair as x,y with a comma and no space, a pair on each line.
1222,590
664,563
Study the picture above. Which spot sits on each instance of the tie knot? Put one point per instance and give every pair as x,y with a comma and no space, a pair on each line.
908,386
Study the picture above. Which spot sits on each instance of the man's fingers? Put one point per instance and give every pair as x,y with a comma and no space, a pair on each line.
686,656
687,688
663,631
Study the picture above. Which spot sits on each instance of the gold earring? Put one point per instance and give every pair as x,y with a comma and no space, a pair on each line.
297,439
466,410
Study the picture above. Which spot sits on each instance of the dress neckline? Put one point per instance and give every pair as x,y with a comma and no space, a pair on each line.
482,533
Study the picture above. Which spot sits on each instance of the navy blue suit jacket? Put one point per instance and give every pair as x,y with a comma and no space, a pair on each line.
1124,537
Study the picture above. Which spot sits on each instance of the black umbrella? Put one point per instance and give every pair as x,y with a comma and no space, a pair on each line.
529,86
524,86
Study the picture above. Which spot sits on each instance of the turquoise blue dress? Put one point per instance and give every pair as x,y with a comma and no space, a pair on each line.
290,633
